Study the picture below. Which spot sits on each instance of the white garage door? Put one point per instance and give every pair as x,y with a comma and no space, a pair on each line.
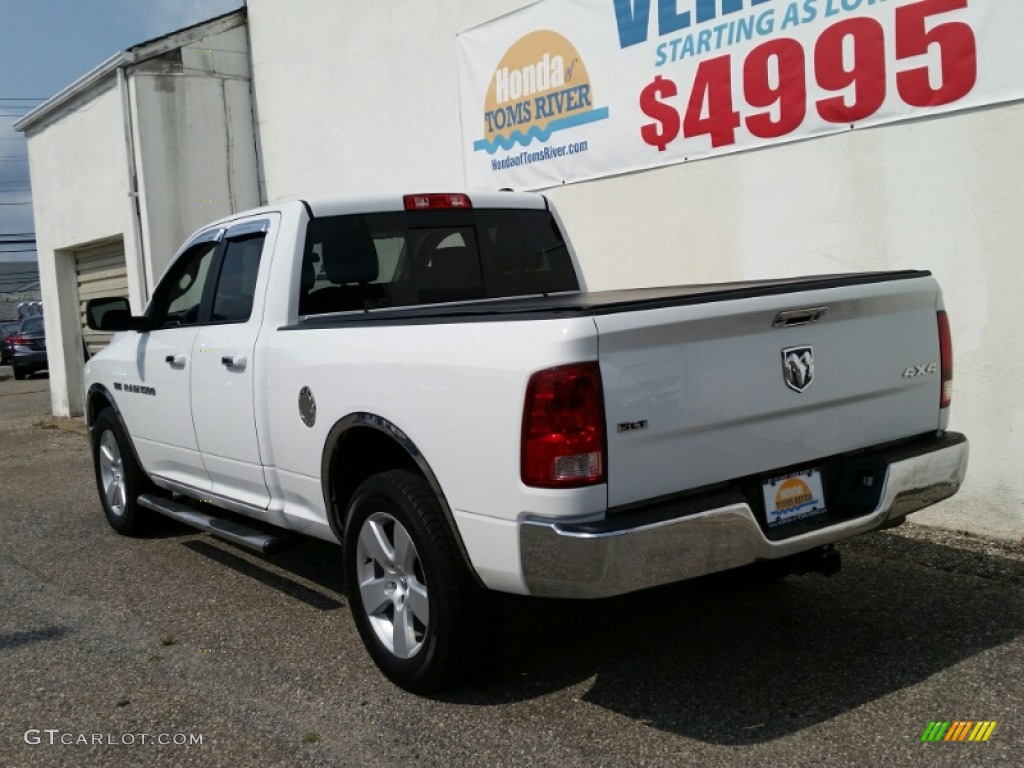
99,271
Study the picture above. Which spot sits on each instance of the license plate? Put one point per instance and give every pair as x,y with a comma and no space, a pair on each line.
793,497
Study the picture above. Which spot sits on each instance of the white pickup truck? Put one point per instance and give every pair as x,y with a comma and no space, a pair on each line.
425,381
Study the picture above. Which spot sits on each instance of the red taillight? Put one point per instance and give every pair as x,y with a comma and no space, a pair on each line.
19,340
427,202
563,428
945,360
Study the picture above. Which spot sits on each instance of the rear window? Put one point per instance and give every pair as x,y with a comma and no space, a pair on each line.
32,325
408,258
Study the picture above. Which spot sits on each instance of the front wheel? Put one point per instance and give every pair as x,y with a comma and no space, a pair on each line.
119,478
415,604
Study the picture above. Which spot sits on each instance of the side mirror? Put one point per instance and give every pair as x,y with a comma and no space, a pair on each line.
113,314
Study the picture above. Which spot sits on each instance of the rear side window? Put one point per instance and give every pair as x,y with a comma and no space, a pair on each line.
236,286
408,258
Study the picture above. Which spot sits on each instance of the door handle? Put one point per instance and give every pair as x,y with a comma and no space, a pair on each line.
175,359
233,361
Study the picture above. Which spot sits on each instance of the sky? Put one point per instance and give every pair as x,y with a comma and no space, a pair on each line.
45,45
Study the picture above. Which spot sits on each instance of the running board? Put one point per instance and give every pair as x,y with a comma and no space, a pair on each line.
242,535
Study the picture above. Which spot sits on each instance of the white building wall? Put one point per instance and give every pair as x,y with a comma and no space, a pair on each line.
80,191
194,155
360,97
195,145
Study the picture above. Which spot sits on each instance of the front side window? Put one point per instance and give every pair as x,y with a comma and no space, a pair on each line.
179,296
408,258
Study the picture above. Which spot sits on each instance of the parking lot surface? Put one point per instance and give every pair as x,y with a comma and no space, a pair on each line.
119,643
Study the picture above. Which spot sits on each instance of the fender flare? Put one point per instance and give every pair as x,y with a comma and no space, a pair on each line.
99,389
363,420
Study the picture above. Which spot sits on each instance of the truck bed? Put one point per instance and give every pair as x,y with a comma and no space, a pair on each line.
599,302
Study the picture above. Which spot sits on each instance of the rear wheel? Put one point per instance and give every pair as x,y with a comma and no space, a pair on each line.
415,604
19,373
119,479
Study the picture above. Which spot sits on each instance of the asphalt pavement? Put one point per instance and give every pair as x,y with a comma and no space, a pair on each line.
111,646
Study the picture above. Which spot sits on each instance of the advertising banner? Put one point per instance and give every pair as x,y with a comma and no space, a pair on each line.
569,90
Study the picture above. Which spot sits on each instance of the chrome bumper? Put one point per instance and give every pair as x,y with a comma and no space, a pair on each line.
682,541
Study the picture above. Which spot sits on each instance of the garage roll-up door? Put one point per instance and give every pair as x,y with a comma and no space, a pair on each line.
99,271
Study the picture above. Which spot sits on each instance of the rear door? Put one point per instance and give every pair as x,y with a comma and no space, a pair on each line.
711,392
222,374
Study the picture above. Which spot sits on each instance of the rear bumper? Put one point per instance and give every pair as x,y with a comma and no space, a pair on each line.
682,540
29,359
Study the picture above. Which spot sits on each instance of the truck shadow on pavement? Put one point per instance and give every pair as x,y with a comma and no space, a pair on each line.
735,663
291,587
724,659
31,636
315,562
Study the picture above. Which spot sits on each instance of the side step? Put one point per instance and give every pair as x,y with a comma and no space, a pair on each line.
242,535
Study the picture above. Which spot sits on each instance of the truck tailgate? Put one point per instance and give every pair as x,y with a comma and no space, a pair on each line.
696,394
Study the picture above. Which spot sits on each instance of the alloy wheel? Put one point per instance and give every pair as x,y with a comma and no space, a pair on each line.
112,474
391,585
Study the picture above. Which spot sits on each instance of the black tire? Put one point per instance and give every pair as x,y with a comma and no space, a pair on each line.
124,514
19,374
440,652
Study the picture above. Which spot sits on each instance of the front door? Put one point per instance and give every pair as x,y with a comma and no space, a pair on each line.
153,393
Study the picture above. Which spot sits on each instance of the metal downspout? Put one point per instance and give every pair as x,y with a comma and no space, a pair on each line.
133,179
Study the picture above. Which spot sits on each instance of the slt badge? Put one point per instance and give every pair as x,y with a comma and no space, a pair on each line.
798,367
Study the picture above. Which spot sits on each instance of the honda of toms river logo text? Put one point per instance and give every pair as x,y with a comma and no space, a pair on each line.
793,495
541,86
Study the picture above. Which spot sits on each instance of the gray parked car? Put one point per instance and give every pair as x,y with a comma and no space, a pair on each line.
28,347
7,332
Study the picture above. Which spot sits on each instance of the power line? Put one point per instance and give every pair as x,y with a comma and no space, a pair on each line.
21,250
17,234
17,242
27,202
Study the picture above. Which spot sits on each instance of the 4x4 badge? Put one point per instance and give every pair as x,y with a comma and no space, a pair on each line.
798,367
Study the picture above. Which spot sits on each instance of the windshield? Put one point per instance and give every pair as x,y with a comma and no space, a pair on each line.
407,258
32,325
